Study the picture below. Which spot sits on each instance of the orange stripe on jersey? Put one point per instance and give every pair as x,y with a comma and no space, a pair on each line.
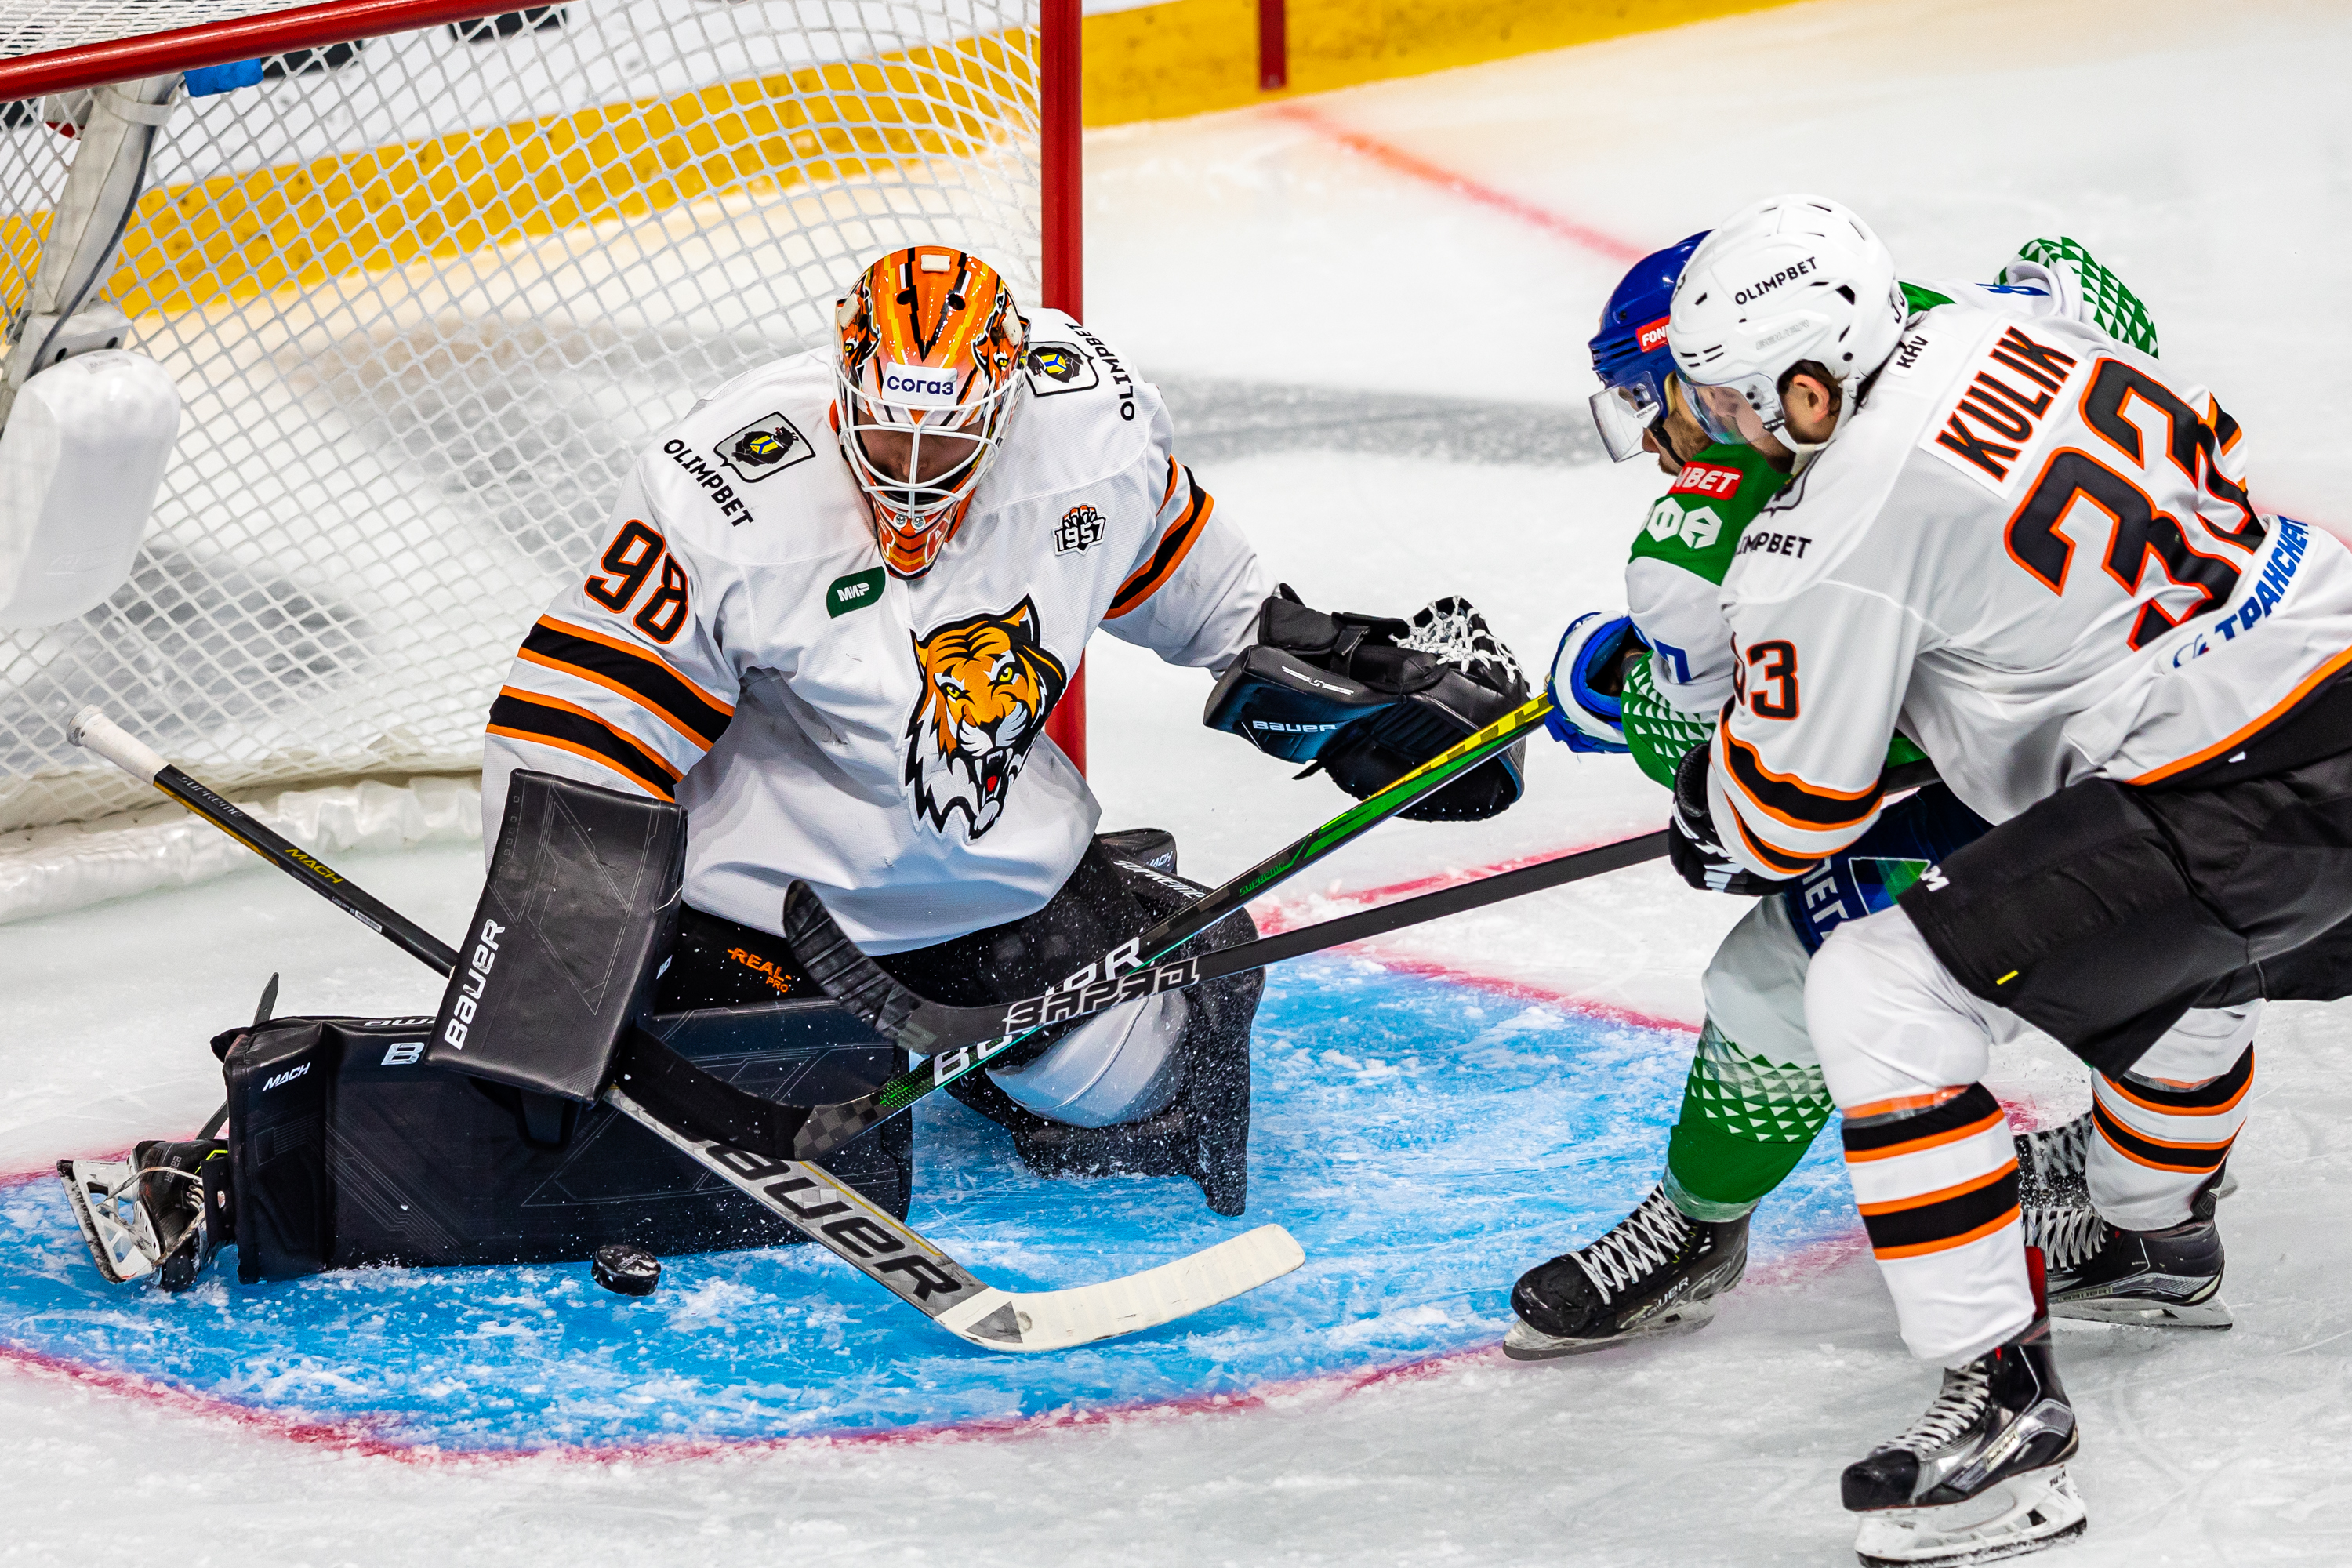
1789,800
551,722
1175,474
2240,736
1175,545
1788,865
627,670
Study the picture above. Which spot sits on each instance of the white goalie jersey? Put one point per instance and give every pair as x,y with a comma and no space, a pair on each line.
738,646
2031,550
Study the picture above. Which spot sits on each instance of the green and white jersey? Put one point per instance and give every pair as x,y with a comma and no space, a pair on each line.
1688,542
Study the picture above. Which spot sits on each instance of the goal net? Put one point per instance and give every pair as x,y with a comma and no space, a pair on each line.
425,296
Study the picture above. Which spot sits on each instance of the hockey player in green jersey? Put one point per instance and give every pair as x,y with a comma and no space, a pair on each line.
1651,682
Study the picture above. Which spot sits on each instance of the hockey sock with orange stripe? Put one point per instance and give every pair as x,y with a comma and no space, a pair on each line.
2157,1143
1937,1185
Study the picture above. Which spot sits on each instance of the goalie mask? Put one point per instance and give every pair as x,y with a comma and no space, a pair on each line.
930,347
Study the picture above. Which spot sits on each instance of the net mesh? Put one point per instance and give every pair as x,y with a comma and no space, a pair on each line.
425,306
38,26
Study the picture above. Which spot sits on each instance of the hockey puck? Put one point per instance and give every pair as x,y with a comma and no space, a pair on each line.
626,1270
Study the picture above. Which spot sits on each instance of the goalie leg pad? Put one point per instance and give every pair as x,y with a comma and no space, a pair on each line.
559,964
1199,1126
349,1148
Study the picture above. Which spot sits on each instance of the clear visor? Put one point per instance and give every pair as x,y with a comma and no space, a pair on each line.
1625,413
920,463
1747,410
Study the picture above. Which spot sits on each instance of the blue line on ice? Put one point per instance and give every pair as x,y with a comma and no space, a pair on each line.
1423,1140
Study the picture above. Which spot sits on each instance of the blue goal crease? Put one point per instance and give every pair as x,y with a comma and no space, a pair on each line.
1424,1140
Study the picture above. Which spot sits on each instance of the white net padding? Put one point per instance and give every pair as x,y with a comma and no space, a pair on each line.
424,307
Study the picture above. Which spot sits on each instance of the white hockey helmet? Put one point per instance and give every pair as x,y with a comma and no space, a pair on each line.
1792,279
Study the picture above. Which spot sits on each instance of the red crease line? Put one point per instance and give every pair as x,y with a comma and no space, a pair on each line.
1397,160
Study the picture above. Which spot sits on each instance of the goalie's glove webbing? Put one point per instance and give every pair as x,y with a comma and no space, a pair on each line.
1367,699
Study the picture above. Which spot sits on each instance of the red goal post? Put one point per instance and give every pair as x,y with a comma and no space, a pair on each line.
419,285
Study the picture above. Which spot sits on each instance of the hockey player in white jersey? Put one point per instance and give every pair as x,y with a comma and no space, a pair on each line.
837,604
1651,682
2031,549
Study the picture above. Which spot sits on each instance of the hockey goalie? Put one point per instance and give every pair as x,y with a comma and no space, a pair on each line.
820,643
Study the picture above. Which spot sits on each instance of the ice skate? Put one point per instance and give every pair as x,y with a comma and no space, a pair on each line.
2153,1278
1982,1475
1656,1274
2102,1273
149,1214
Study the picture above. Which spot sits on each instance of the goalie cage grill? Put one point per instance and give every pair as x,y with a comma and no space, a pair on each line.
427,294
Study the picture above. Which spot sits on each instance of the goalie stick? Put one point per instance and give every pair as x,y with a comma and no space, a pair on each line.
960,1038
816,1131
874,1242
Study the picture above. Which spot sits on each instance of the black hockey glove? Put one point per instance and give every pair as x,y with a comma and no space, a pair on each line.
1367,699
1692,847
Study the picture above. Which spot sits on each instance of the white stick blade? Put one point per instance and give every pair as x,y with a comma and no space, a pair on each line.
1057,1320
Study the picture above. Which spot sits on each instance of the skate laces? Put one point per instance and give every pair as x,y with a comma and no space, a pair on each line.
2054,1153
1956,1406
2069,1235
1640,1244
2053,1202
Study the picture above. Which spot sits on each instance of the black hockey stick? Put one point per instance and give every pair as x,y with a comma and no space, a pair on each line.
828,1127
94,730
950,1033
810,1199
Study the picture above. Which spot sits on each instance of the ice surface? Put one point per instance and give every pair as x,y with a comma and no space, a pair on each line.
1409,1129
2197,149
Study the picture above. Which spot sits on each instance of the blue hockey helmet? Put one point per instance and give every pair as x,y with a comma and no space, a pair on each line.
1629,351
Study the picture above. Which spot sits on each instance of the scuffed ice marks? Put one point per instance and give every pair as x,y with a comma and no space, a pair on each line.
1424,1140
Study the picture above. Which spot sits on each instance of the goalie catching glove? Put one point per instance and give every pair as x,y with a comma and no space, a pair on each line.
1367,699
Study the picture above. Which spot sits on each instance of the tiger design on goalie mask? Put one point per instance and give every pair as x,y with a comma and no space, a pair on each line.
988,685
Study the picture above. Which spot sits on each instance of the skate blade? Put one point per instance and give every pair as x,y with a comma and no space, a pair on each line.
2025,1513
1524,1342
113,1246
2145,1313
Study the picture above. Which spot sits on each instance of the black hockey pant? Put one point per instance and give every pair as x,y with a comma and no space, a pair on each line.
2106,911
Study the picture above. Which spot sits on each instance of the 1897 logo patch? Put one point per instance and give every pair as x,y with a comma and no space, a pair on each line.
1080,530
768,444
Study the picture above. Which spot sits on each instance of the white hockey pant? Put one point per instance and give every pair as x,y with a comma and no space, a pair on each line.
1755,987
1120,1066
1905,1048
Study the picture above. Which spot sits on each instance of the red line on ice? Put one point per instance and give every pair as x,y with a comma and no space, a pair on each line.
366,1437
1606,246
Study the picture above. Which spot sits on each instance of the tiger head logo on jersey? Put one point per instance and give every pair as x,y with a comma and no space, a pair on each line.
988,684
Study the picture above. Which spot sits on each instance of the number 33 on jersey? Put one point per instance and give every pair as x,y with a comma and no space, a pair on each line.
2031,551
